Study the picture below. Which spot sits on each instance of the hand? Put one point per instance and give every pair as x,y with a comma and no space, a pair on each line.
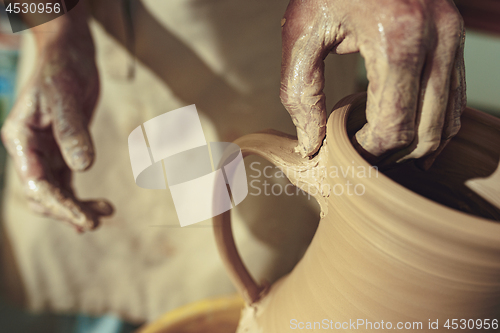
47,134
413,51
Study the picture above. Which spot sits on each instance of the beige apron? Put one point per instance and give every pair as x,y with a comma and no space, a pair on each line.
222,55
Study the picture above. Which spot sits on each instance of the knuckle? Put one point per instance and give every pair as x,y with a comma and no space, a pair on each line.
450,13
406,35
410,18
450,22
411,31
294,20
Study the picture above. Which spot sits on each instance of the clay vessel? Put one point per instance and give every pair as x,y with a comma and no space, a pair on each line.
385,253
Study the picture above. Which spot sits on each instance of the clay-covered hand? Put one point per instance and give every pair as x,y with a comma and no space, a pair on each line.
47,132
413,51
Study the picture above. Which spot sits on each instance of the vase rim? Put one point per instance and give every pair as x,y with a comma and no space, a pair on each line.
338,140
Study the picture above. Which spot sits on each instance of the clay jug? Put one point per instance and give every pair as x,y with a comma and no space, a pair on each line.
405,249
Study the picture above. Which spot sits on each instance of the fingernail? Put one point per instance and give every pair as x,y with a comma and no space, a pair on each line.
103,208
80,158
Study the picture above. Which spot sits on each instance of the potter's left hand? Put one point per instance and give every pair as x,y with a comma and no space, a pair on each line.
47,132
413,52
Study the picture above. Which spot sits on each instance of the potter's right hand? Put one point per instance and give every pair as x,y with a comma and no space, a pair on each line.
413,51
46,133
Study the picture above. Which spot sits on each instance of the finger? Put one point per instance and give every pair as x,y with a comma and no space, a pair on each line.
457,101
31,147
435,90
70,128
304,47
50,196
393,68
49,200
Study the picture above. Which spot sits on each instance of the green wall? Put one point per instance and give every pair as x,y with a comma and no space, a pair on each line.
482,66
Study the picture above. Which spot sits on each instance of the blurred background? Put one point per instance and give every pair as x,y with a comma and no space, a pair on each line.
482,53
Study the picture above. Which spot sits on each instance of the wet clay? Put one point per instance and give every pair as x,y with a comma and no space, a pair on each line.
389,254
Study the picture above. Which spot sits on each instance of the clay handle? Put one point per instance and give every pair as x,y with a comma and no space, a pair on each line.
278,148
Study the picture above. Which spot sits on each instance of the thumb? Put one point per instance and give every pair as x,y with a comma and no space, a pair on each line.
302,76
70,128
